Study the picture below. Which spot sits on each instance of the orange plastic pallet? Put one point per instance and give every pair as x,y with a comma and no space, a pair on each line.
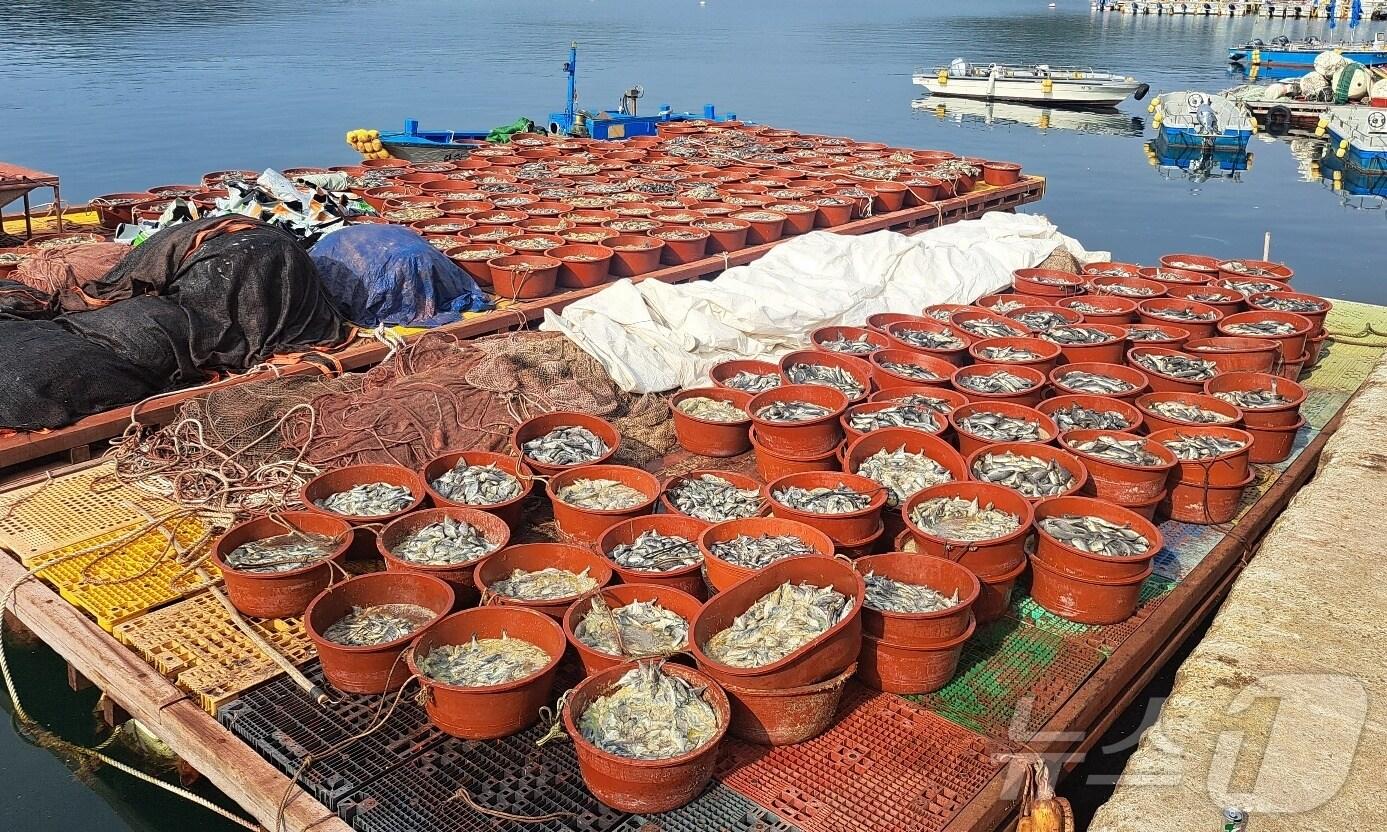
194,643
125,596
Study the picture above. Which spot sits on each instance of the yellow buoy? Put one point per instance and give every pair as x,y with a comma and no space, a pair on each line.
1341,153
943,77
1047,85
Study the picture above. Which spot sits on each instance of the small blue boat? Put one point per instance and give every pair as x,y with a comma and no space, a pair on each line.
1281,51
1202,120
1357,138
1198,163
418,145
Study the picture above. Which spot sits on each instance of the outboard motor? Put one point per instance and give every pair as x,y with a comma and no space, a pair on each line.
1207,120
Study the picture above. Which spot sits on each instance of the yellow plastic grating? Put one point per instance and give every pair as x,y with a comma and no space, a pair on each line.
48,515
112,603
194,643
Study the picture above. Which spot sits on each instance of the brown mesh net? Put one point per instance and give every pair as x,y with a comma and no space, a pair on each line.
1061,260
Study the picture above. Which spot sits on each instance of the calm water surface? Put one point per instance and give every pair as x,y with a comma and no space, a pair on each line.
116,95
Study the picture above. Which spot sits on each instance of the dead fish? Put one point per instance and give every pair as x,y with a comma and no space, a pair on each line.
477,485
712,498
995,427
1183,412
1089,308
1254,399
850,346
1110,271
647,629
935,403
712,410
902,473
1040,320
1241,268
445,542
1031,475
1077,416
753,382
759,552
1047,280
379,624
898,415
649,715
986,328
655,552
371,499
998,382
929,340
1207,297
1183,313
836,500
482,662
914,371
1250,287
1008,354
1002,307
1097,383
1183,367
602,495
792,412
1096,535
282,553
1138,333
943,315
569,445
1067,335
1296,305
954,518
889,595
826,376
1127,451
1192,447
1261,328
1187,266
779,623
546,584
1126,290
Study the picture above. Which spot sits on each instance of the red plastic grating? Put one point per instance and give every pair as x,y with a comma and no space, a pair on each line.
886,766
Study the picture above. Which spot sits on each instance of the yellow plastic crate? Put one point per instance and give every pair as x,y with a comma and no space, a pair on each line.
127,596
195,644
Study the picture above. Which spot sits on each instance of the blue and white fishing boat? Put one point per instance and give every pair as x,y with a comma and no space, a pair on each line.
1196,163
1358,138
1281,51
1202,120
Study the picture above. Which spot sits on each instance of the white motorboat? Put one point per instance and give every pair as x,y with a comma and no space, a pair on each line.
1040,84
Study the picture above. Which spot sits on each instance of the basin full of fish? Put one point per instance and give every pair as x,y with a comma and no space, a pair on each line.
713,498
791,411
547,584
649,715
1008,355
779,623
902,473
1192,413
759,552
838,499
988,328
997,427
928,339
850,346
1095,383
482,662
711,410
1087,308
1075,415
1299,306
1249,286
900,415
826,376
957,519
912,371
995,383
889,595
1184,313
1241,268
1068,336
1260,399
1192,447
655,552
477,485
1032,476
939,405
569,445
601,495
1112,449
449,541
281,553
636,630
1126,290
368,499
1096,535
1183,367
753,383
1139,333
378,624
1041,320
1261,329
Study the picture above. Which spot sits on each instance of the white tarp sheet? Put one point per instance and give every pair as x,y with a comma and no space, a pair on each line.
655,336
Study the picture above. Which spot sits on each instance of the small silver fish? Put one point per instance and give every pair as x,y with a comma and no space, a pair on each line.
792,412
379,624
547,584
898,415
1261,329
998,382
1075,416
1184,367
1096,535
850,346
649,715
1096,383
929,339
1031,475
779,623
712,410
600,494
1144,333
826,376
655,552
1249,287
1242,268
477,485
995,427
840,499
1007,355
914,371
646,627
712,498
1182,412
902,473
282,553
1254,399
371,499
1183,313
482,662
954,518
1041,320
759,552
1069,335
1296,305
753,382
1128,451
987,328
1198,446
570,445
889,595
1125,290
446,542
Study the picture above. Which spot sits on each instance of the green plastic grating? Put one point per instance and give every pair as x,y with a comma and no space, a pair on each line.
194,643
1012,678
1105,637
122,589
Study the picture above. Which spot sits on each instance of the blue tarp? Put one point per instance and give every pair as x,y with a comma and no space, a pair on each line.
388,274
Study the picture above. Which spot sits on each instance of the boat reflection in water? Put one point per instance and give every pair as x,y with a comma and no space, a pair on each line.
1197,164
1105,121
1356,189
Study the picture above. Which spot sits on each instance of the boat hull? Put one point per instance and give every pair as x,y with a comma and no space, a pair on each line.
1062,90
1271,56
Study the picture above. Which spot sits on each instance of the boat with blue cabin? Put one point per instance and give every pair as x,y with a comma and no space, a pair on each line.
1358,138
1202,120
1282,51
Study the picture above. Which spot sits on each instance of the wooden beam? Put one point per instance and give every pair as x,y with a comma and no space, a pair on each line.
229,764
